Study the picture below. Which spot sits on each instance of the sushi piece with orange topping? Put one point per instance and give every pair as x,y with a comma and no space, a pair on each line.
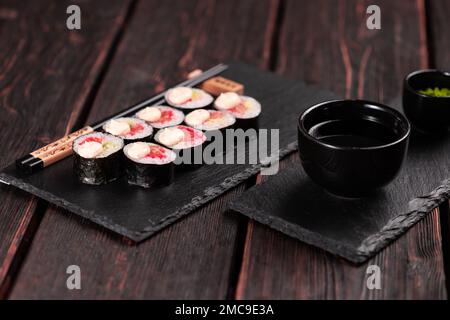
187,99
129,129
245,109
97,159
160,117
210,120
186,142
214,123
148,164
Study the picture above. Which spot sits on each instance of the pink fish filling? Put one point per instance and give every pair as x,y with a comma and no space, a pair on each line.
91,139
156,152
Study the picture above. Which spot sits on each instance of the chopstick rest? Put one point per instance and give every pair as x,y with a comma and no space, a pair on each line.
218,85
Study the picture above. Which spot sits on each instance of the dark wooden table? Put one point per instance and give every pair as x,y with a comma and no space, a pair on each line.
53,80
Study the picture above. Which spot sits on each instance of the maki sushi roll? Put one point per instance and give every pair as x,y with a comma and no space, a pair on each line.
148,164
186,142
160,117
245,109
186,98
210,120
97,159
129,129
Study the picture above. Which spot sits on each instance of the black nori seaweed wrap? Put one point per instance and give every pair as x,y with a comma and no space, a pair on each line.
192,153
148,175
249,123
148,164
98,171
102,168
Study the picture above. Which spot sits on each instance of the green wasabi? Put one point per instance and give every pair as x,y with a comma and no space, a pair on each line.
436,92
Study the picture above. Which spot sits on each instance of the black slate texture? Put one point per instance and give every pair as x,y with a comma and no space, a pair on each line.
138,213
355,229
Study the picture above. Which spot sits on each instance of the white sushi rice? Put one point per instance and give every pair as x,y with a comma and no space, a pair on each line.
186,142
110,144
213,122
133,151
177,117
252,108
131,122
198,99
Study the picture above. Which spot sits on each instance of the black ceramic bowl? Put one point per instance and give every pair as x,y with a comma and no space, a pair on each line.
427,113
352,147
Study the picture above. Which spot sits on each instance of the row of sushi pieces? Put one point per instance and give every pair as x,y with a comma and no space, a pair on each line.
146,146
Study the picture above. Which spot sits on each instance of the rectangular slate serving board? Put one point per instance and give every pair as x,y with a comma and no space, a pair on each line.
138,213
355,229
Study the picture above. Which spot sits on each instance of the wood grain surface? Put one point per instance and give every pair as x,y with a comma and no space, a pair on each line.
191,259
437,18
126,51
46,78
349,58
438,12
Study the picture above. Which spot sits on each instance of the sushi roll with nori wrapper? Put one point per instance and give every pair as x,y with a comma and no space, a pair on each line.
129,129
187,99
160,117
245,109
148,164
186,142
97,159
212,122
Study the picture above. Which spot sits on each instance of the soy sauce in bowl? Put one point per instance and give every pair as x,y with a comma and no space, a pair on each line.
352,147
350,133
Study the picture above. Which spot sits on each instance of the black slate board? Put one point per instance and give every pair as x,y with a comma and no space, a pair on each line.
138,213
355,229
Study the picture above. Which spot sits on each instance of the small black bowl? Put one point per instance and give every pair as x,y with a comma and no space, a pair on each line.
352,147
426,113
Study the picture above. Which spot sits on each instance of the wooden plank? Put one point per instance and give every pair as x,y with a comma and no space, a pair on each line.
46,76
345,56
438,12
193,258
